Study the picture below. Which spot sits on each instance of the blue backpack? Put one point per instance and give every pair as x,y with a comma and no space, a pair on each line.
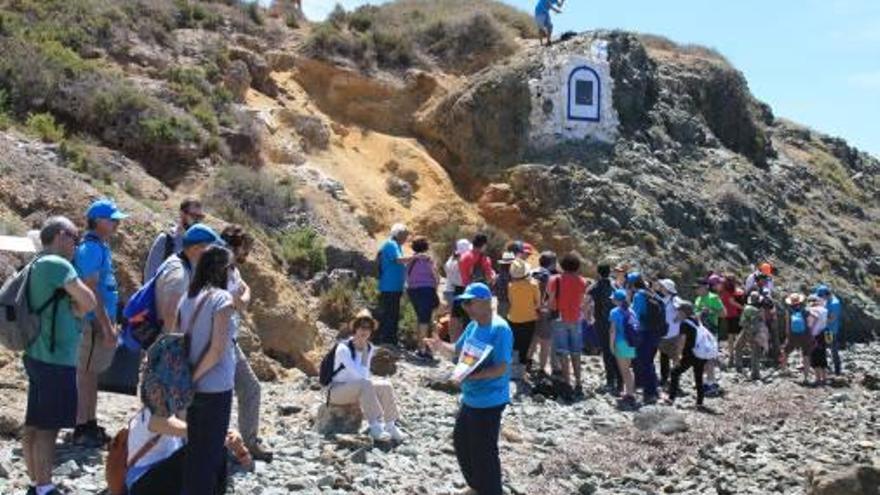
632,329
143,323
798,323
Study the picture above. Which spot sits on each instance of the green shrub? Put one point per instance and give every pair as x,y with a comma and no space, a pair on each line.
337,305
303,249
205,114
252,195
168,130
43,125
5,117
338,16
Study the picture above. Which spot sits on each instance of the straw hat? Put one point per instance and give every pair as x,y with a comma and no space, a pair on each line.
363,314
507,258
795,299
519,269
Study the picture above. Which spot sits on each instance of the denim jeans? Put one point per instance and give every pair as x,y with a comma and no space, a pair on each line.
476,446
389,316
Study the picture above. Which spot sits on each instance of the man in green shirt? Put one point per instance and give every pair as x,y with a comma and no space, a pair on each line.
50,361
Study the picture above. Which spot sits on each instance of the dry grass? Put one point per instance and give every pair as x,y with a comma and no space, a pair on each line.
663,44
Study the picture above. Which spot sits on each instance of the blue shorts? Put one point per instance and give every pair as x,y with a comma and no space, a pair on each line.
568,338
52,395
543,22
424,301
623,350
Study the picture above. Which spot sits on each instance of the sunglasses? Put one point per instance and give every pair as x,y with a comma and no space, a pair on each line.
71,235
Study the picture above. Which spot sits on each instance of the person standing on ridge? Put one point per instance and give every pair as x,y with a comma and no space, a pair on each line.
542,18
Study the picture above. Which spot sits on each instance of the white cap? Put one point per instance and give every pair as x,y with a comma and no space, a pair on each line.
462,246
397,229
669,285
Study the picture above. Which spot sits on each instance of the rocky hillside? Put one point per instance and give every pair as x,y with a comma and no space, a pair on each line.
320,136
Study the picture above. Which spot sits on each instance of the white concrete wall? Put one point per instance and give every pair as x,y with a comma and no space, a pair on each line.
549,122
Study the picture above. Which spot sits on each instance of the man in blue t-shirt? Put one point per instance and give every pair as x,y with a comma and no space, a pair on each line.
94,263
392,278
542,18
484,393
835,313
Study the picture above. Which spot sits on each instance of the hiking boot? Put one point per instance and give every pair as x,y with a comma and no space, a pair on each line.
395,433
650,399
579,392
32,490
378,434
627,403
259,452
84,436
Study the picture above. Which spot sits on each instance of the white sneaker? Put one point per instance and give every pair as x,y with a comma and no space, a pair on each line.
378,434
396,434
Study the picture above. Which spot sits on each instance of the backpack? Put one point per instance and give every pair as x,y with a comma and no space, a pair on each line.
142,320
327,372
169,245
655,317
798,323
632,329
478,275
20,322
117,462
167,381
706,345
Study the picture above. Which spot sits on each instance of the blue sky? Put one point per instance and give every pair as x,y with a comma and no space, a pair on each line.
816,62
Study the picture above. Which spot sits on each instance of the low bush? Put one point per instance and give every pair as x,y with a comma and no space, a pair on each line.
43,125
337,305
303,250
239,192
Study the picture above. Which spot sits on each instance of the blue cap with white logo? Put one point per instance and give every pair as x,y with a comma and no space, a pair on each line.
619,295
105,209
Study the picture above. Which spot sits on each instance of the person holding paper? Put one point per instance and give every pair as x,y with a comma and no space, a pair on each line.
487,349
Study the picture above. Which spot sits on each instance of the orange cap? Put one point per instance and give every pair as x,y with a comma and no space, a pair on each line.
766,268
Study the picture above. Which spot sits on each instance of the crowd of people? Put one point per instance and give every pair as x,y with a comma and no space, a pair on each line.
546,316
550,315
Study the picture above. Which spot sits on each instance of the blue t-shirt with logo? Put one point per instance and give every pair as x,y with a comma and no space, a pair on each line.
835,311
640,304
393,274
93,258
493,392
798,322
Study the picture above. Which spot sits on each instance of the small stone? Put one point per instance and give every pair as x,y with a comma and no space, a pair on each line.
289,410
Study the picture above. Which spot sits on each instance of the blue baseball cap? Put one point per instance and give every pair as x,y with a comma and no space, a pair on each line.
104,209
823,291
633,277
619,295
201,234
476,291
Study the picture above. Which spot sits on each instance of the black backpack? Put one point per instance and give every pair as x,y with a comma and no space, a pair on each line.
478,274
327,370
169,245
655,317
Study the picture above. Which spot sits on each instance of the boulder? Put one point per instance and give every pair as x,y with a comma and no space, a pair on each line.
663,420
258,68
10,424
441,384
334,419
858,480
384,362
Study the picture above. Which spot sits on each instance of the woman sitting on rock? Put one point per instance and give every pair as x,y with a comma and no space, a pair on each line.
353,382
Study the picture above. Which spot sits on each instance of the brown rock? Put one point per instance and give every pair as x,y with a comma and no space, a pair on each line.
264,367
859,480
384,362
10,424
237,79
497,193
333,419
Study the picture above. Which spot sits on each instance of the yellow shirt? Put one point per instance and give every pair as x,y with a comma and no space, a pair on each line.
525,298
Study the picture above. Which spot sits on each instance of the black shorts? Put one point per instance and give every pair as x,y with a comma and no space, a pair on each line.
52,395
731,326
